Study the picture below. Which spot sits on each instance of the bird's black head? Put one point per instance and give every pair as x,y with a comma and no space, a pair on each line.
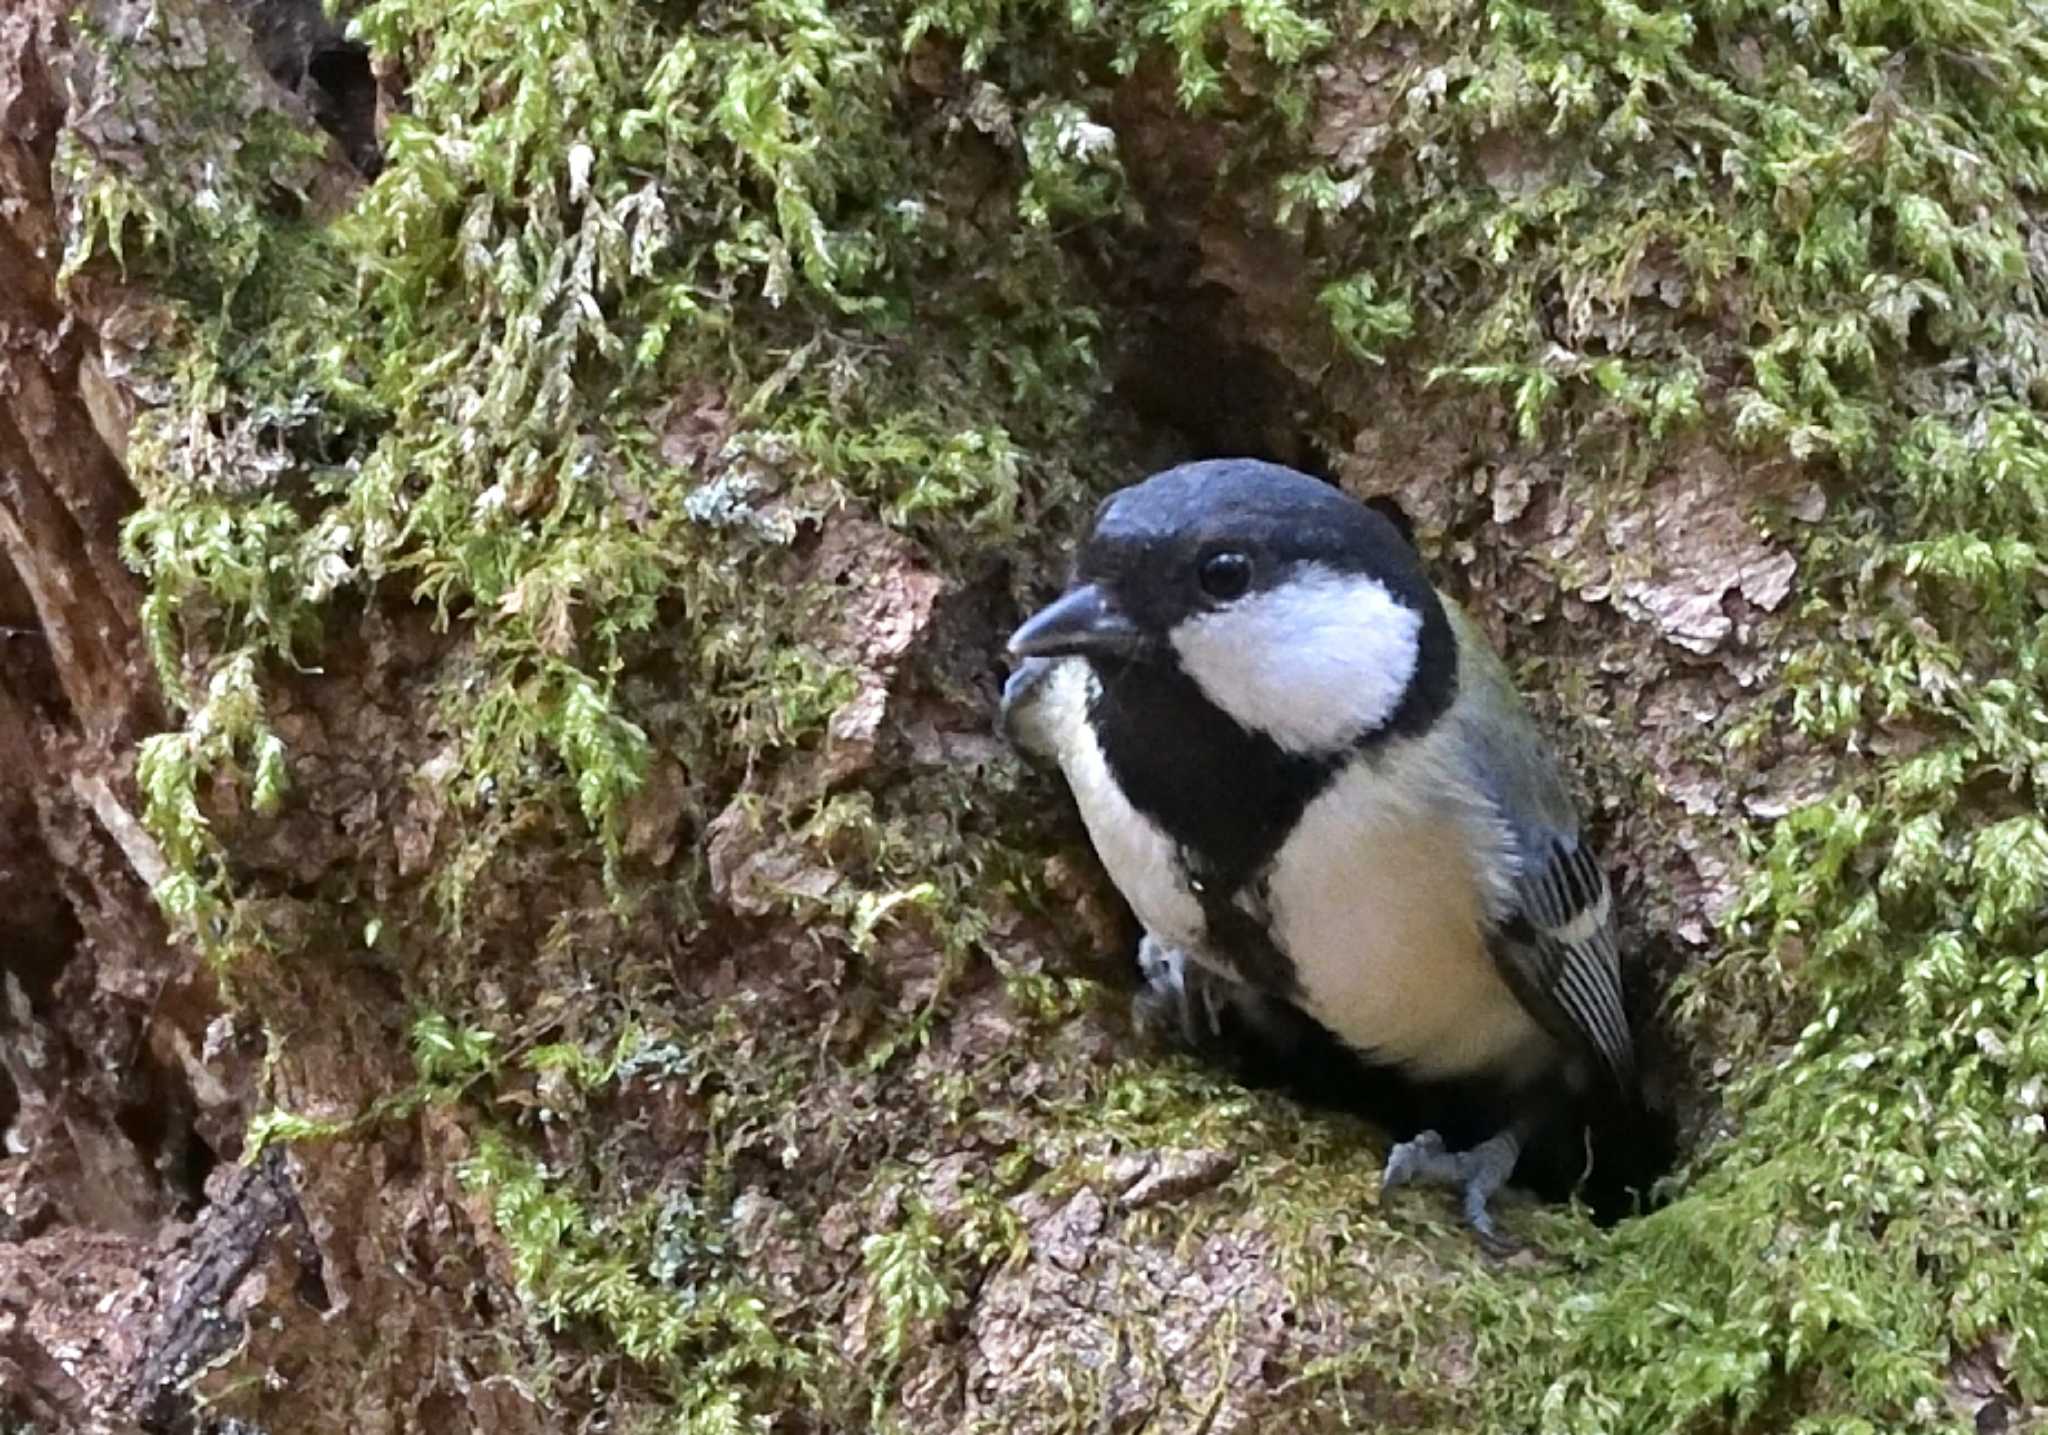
1298,612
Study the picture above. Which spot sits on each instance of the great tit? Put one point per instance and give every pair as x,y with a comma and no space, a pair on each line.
1356,863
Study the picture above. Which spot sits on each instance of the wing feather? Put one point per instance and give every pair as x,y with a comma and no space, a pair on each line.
1554,940
1557,949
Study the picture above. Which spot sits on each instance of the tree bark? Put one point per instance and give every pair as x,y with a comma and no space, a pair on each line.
785,1081
100,1010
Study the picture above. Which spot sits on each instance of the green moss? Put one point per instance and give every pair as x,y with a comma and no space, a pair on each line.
680,1316
604,233
1812,226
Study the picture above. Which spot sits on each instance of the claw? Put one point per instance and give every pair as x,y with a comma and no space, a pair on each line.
1162,966
1479,1172
1172,1001
1419,1159
1160,1004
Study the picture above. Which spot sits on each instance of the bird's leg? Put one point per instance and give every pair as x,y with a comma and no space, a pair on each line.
1478,1172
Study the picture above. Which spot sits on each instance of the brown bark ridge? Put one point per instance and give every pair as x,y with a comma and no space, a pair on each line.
112,1124
134,1240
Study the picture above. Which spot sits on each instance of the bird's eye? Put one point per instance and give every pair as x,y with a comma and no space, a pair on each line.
1225,575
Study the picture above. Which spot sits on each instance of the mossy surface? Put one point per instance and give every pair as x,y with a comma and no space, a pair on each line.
647,298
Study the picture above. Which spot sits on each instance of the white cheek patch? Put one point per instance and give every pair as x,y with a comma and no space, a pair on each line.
1312,664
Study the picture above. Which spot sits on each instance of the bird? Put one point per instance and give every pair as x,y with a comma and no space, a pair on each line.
1358,867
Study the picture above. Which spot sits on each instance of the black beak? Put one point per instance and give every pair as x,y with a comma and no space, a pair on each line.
1083,621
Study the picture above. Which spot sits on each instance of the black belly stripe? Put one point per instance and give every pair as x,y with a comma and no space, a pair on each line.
1246,939
1228,796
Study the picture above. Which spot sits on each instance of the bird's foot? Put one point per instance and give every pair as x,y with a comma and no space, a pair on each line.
1478,1172
1162,966
1174,997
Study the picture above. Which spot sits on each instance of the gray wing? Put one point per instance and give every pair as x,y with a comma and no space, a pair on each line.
1555,944
1559,954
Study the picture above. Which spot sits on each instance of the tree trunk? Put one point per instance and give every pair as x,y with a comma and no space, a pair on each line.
512,914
